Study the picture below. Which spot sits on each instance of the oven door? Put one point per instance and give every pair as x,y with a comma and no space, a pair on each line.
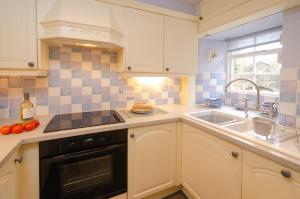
97,173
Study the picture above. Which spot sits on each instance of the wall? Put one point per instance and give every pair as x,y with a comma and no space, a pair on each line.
290,72
177,5
211,76
82,79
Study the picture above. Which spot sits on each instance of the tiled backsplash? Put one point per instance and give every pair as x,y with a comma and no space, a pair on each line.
211,85
82,79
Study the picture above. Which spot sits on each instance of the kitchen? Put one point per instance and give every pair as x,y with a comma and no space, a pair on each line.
114,99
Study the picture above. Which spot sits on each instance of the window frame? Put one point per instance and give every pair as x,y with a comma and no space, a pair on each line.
253,74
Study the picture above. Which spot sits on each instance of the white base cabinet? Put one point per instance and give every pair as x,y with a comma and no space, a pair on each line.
8,179
211,167
264,179
151,159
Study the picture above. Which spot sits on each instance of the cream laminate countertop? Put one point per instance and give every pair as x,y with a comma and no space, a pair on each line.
284,153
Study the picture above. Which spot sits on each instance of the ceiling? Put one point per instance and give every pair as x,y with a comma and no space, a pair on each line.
252,27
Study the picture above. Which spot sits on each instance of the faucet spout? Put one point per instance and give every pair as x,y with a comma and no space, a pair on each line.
252,82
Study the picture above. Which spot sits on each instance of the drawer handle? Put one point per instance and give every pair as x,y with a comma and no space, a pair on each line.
235,154
19,160
31,64
286,173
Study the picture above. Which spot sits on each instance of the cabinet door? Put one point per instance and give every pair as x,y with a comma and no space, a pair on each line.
18,41
262,179
151,159
181,46
8,179
209,170
144,51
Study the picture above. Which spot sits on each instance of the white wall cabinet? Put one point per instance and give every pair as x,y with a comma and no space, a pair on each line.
18,34
263,178
8,179
218,15
144,51
157,43
211,167
151,159
181,46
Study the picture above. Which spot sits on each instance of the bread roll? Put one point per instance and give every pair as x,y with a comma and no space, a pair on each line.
142,107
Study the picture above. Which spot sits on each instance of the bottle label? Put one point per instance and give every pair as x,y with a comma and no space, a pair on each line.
28,113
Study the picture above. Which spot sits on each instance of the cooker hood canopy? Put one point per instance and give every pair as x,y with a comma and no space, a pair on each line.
84,22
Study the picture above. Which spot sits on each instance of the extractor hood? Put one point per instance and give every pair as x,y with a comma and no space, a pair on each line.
84,22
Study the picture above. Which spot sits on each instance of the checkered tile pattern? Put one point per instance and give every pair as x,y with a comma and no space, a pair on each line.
209,85
82,79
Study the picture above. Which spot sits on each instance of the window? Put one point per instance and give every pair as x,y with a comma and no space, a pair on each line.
257,58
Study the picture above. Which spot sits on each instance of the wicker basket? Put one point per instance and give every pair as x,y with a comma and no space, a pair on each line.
263,126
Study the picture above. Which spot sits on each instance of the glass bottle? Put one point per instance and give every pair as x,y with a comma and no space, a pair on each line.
26,109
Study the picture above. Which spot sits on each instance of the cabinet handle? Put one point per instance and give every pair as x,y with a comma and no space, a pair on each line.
167,69
132,135
19,160
235,154
129,67
286,173
31,64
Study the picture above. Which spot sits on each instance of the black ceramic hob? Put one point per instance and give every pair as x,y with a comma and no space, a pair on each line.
84,119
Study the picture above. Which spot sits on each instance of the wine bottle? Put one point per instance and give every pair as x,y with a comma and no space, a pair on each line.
27,110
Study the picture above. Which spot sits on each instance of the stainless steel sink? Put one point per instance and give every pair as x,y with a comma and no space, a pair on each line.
214,117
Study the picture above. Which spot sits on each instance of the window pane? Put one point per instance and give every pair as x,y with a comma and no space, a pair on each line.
242,65
267,64
268,81
242,85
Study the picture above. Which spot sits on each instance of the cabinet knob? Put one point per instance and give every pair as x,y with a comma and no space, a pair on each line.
132,135
200,18
31,64
286,173
129,67
19,160
235,154
168,69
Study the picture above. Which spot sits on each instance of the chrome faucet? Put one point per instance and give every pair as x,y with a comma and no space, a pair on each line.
246,107
256,87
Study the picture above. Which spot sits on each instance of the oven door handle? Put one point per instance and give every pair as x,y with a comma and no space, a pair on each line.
88,152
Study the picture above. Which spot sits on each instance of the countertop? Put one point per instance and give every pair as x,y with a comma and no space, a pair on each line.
284,153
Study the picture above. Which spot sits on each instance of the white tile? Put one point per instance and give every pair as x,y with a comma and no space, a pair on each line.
54,91
87,66
289,74
15,93
65,100
287,108
76,82
105,82
86,90
54,64
76,108
76,57
65,74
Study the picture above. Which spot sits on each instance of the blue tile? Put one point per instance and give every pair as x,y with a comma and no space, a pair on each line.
54,53
65,91
53,82
42,101
3,103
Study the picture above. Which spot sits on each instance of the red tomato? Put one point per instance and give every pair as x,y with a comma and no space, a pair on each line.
17,128
28,126
5,130
35,123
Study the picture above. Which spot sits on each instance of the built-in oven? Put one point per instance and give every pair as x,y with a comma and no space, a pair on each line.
84,167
